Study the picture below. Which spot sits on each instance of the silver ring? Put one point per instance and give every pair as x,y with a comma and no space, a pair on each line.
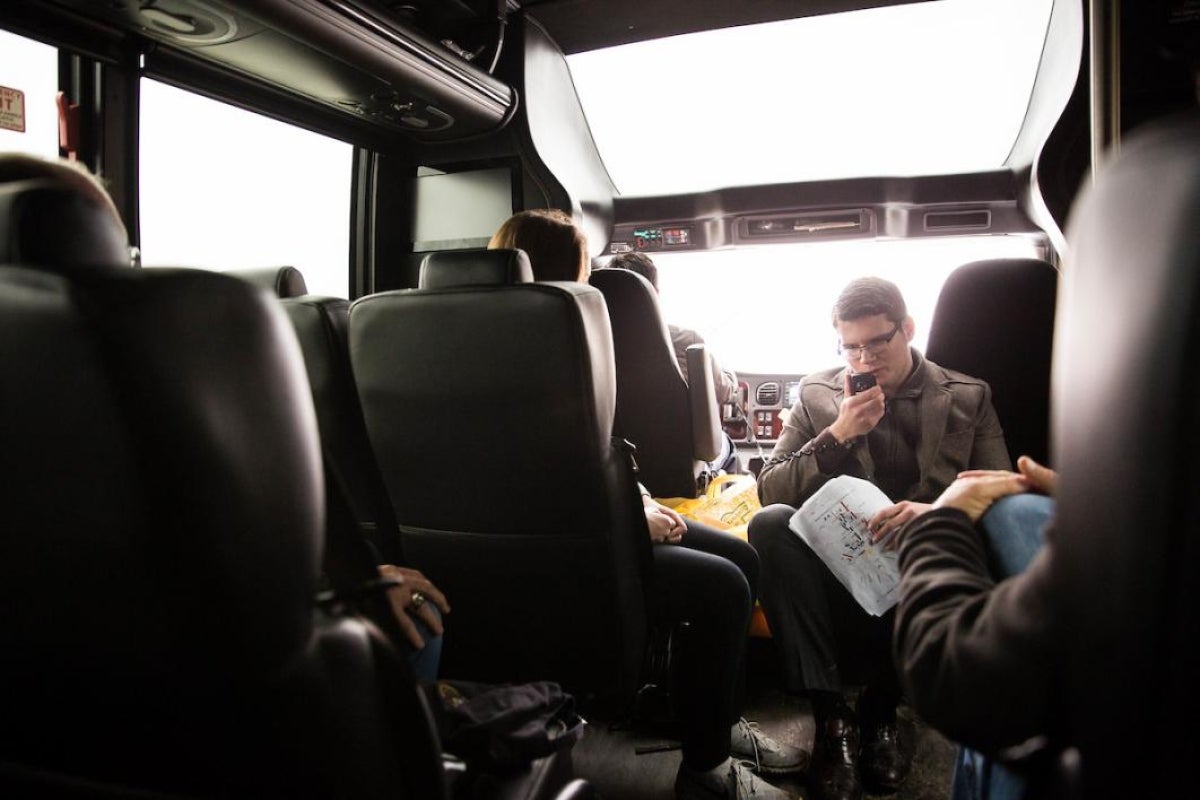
417,601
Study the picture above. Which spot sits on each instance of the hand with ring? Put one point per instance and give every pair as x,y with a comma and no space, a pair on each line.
417,601
410,598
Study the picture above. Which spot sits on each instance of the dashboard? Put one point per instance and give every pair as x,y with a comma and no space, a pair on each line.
765,398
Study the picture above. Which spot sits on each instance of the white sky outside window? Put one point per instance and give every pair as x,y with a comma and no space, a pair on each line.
222,188
31,67
767,308
920,89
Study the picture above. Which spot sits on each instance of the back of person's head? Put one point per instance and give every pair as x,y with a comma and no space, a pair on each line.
556,247
639,263
71,174
867,297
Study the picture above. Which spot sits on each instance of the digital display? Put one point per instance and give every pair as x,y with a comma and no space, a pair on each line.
648,238
658,238
674,237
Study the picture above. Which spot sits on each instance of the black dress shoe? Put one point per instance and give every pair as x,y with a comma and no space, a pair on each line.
885,764
835,765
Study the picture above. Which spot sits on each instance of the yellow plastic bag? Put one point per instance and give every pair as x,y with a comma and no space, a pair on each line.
729,503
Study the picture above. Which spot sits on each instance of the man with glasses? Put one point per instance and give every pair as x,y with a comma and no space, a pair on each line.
910,434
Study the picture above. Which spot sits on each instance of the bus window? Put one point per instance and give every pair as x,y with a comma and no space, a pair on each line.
767,309
28,85
224,188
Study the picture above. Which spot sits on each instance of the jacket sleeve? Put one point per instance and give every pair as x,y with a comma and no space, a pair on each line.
989,450
795,470
974,655
724,381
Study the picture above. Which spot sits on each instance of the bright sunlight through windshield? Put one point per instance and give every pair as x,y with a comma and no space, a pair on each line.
767,309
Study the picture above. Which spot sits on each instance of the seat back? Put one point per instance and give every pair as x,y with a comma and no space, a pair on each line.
1126,425
674,426
994,320
489,407
161,549
322,328
34,215
279,281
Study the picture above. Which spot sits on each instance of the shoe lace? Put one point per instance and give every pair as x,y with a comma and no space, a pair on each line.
758,739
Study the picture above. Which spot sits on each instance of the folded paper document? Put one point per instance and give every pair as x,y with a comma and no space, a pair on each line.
833,522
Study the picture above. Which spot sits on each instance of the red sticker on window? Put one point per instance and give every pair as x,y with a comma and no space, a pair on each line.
12,109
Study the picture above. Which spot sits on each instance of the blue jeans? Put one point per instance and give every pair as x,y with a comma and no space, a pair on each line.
425,661
1013,533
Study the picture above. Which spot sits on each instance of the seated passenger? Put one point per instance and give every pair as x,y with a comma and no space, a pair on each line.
416,602
910,435
725,382
1005,512
701,576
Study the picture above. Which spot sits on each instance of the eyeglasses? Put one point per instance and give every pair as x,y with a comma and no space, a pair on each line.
875,346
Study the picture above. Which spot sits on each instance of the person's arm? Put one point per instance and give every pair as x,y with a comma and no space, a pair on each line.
725,382
805,458
974,655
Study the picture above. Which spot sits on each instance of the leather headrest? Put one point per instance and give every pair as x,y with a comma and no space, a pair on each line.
453,268
46,224
279,281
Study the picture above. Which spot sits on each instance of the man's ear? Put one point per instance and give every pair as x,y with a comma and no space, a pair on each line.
909,327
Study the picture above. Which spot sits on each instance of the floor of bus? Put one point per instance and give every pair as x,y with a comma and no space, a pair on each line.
607,756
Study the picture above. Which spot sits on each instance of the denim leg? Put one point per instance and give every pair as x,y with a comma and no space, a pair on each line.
967,766
1012,530
425,661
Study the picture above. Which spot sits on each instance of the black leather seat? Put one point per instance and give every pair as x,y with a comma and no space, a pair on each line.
994,320
1125,422
673,424
162,543
322,327
489,400
279,281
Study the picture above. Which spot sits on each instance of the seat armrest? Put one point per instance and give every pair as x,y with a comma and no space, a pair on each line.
702,398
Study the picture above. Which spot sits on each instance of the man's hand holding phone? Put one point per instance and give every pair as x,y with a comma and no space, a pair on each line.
861,408
861,381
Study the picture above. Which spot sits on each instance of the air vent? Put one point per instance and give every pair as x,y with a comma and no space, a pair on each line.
767,394
821,225
958,220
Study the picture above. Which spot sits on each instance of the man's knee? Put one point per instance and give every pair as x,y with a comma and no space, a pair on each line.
770,526
1013,531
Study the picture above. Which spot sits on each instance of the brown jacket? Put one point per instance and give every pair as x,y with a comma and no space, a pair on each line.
959,431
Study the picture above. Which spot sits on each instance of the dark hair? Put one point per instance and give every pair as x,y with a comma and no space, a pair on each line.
556,247
866,297
639,263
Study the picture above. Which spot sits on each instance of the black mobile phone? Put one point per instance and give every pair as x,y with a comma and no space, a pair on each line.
861,381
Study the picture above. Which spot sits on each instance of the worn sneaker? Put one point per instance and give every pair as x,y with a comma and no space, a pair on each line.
732,780
764,755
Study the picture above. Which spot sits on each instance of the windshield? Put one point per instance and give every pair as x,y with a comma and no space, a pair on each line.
767,309
917,89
